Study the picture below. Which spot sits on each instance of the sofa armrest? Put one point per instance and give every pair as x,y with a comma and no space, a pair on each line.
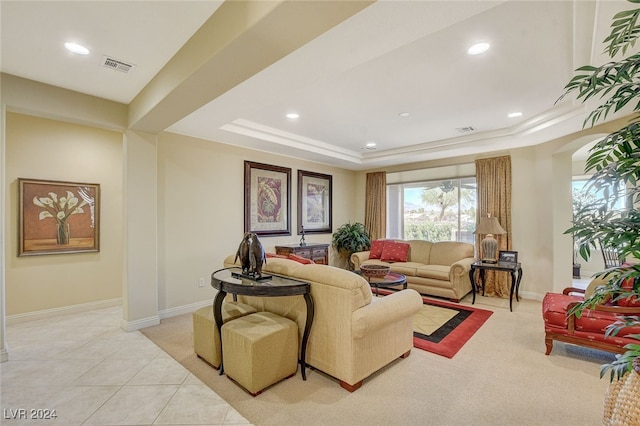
384,311
571,319
358,258
461,268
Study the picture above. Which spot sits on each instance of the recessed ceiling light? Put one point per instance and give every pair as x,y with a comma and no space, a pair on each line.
369,146
76,48
478,48
404,114
292,116
514,114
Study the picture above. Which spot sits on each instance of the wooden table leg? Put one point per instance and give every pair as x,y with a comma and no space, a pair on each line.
305,335
217,316
513,286
472,278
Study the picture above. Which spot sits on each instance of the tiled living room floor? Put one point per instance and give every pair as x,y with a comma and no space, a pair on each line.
91,372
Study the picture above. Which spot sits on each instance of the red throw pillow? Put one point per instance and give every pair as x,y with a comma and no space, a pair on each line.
301,259
395,251
376,249
280,256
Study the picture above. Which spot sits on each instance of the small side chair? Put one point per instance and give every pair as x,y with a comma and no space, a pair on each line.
611,256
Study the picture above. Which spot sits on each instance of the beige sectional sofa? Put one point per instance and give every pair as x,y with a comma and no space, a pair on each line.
437,269
353,334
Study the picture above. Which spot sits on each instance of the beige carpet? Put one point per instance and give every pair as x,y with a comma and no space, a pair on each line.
500,377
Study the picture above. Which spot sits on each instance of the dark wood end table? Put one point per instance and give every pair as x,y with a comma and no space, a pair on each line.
514,269
230,280
392,279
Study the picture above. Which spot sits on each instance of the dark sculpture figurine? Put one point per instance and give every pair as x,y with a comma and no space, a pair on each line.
251,254
302,241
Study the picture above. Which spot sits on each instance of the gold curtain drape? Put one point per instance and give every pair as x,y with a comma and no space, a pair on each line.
493,177
375,214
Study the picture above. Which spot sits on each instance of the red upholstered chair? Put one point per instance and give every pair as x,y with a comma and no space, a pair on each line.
589,329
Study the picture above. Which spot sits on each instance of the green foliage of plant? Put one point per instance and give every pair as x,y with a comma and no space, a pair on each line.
624,31
351,238
430,231
615,160
579,198
624,362
615,163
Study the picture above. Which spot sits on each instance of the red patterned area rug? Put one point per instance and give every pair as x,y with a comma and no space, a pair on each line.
443,327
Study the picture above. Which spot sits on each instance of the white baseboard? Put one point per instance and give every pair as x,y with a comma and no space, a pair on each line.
184,309
129,326
529,295
165,313
125,325
64,310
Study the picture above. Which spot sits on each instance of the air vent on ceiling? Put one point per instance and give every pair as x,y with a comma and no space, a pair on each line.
466,129
116,65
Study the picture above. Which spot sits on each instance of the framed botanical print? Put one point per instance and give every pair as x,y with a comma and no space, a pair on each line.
58,217
314,202
267,199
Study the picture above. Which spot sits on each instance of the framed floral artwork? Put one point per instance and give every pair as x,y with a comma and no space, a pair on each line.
58,217
267,199
314,202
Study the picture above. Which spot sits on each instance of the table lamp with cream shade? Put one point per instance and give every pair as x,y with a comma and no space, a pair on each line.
489,226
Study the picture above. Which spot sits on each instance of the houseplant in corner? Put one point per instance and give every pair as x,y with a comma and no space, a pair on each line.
351,238
615,163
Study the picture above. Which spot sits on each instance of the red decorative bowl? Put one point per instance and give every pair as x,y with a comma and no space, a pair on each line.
374,271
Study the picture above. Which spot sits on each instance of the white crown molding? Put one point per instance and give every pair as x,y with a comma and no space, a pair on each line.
292,140
518,135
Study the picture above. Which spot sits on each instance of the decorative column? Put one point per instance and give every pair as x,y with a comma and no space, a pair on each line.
140,276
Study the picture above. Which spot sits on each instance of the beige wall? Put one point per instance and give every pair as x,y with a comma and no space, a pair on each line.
199,216
53,150
200,211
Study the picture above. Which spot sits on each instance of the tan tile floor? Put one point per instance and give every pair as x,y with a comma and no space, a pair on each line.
91,372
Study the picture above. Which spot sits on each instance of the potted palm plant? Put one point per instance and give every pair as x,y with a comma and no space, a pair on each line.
614,163
351,238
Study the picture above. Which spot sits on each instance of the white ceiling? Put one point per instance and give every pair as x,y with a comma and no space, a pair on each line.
143,33
350,83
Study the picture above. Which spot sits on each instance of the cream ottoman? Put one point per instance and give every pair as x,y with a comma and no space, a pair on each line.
206,340
259,350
